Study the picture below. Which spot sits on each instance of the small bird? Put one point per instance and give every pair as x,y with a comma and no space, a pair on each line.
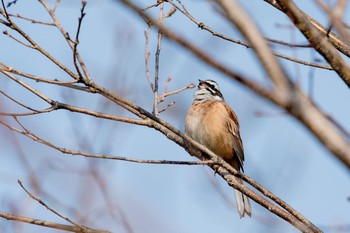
211,122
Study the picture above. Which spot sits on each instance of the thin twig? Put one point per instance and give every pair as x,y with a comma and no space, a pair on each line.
168,106
76,42
166,94
28,87
202,26
35,46
17,102
34,21
50,209
156,72
17,40
4,67
5,11
291,45
153,5
147,54
36,112
190,86
56,5
68,39
170,13
36,138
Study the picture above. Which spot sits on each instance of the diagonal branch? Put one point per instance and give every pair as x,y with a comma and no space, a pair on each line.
333,38
318,39
48,224
11,24
79,227
65,34
205,27
235,13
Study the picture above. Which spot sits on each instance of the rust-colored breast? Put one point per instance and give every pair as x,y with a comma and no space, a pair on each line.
215,125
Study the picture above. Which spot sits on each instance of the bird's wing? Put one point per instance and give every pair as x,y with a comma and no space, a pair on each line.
233,126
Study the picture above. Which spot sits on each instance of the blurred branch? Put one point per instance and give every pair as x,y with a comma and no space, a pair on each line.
48,224
203,26
335,15
156,69
147,54
246,26
80,228
334,39
318,39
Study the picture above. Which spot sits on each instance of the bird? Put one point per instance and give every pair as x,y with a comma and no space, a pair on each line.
211,122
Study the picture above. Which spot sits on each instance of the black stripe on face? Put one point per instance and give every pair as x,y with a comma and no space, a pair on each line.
212,88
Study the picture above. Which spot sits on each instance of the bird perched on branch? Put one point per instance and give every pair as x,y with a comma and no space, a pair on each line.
211,122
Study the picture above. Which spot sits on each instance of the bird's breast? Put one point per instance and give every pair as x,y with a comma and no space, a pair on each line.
207,124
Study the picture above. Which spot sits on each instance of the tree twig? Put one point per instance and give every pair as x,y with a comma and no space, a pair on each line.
48,224
80,227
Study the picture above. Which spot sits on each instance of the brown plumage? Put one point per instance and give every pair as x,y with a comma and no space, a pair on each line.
211,122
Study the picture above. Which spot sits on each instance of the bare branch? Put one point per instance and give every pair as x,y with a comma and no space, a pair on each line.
68,39
80,227
36,138
147,53
34,21
28,87
156,69
335,17
56,5
76,42
317,39
35,46
48,224
202,26
334,39
4,67
250,31
166,94
153,5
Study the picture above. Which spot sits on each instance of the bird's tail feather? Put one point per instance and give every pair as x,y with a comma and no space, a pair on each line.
243,204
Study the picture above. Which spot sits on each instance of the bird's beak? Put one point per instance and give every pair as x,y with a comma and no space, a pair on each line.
200,83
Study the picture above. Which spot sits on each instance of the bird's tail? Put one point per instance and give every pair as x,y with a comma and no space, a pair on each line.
243,204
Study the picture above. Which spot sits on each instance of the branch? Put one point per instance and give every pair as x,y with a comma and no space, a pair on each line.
48,224
334,39
36,138
235,13
67,37
80,227
34,21
76,42
13,26
318,39
4,67
203,26
156,69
